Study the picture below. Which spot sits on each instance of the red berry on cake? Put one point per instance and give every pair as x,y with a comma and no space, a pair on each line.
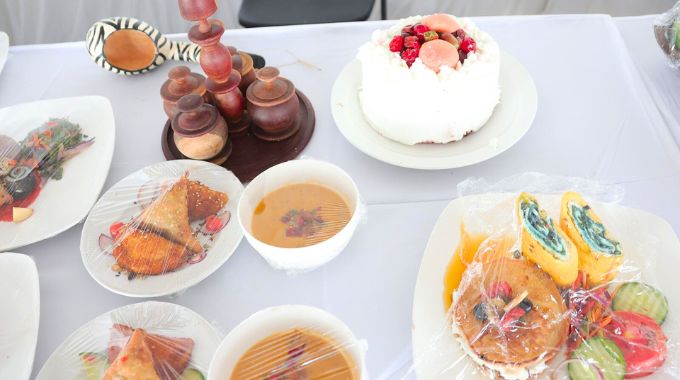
419,30
411,42
438,53
408,29
409,55
396,44
462,55
441,23
460,34
468,45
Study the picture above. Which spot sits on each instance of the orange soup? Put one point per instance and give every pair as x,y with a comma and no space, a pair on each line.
295,354
299,215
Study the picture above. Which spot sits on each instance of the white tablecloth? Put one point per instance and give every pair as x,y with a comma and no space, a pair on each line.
662,81
595,119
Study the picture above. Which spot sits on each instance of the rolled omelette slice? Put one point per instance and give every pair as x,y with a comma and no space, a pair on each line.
544,243
600,255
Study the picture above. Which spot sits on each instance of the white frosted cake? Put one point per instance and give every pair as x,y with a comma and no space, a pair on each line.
431,79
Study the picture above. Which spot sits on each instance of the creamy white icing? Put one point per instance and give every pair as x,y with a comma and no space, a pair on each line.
416,105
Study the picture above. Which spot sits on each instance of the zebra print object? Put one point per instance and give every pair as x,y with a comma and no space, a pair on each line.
166,49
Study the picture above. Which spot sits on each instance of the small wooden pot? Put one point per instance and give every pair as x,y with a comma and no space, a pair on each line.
273,106
181,81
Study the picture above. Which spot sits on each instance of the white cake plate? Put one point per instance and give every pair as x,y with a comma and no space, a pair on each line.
511,119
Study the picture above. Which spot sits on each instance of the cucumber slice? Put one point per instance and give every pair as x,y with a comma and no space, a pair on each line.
676,33
643,299
94,365
192,374
597,353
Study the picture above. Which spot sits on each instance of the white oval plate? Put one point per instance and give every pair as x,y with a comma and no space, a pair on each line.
156,317
118,204
510,120
62,203
20,316
4,49
648,243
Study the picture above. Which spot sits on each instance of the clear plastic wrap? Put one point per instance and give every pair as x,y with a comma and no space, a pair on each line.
560,282
49,151
291,342
149,340
162,229
29,162
300,214
666,31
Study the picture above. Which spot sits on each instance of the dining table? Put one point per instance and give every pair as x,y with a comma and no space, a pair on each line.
607,111
654,68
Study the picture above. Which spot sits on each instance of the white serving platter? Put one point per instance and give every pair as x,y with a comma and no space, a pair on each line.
651,250
62,203
162,318
20,316
120,203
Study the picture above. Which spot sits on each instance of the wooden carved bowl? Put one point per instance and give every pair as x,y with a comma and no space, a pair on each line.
127,46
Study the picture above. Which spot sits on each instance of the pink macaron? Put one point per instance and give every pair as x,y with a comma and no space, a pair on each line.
441,23
438,53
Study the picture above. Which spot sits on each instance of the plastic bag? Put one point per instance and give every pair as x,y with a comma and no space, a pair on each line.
551,284
666,31
149,340
293,342
300,214
162,229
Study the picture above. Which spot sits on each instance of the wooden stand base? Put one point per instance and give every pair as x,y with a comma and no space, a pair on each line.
251,155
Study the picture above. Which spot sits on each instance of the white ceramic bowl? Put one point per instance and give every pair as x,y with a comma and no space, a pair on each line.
302,259
277,319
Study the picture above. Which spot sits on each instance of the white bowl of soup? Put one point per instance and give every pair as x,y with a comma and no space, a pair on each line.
289,341
300,214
